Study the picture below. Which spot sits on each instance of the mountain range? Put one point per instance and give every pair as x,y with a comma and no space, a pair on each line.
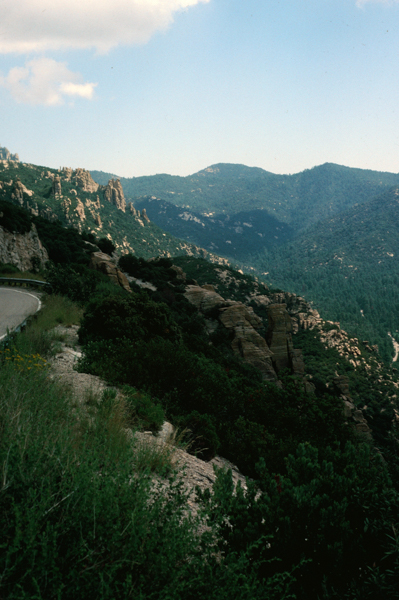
329,233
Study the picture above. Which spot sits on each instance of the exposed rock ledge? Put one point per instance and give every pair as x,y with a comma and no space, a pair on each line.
195,472
20,249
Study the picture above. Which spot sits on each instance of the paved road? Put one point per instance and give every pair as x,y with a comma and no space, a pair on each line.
15,306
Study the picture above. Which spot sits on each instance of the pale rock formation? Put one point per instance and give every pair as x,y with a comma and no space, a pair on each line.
17,192
205,300
247,342
80,210
103,263
131,209
66,173
113,192
5,154
144,216
278,335
180,274
66,205
57,190
279,339
18,249
34,210
84,180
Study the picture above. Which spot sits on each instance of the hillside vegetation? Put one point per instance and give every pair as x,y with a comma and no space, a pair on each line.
328,233
348,266
80,519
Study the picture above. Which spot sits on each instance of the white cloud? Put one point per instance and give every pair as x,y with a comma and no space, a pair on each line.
45,81
39,25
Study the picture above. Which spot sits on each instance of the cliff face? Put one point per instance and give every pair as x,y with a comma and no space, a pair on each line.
113,192
24,251
269,355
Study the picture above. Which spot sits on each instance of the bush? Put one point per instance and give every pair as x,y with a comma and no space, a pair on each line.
201,434
145,412
331,519
7,269
106,245
132,316
78,282
13,218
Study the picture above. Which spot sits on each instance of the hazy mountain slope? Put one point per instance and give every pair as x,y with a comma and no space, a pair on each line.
348,266
244,234
299,200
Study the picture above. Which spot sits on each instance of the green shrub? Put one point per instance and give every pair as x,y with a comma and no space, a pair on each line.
106,245
132,316
331,519
146,413
13,218
64,245
78,282
201,434
7,269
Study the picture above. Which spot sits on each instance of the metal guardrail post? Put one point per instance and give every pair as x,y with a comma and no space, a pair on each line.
17,280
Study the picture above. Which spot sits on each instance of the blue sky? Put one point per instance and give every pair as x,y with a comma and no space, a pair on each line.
138,87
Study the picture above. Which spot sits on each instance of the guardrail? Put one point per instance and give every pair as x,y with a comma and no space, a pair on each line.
17,280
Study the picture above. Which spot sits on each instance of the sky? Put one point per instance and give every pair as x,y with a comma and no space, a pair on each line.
140,87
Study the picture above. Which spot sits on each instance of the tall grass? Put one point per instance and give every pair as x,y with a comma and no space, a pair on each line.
76,520
39,335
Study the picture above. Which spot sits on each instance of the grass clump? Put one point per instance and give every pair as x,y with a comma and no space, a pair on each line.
39,336
146,412
74,521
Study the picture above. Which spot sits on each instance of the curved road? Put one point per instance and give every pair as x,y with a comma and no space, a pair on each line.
15,306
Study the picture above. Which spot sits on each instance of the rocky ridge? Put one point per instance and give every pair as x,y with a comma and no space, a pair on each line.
76,200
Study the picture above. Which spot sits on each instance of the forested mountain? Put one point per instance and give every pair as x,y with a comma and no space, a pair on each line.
298,200
241,236
348,265
327,233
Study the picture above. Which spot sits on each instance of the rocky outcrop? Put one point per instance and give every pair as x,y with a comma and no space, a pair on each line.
80,210
241,321
247,342
5,154
19,249
103,263
113,192
132,210
354,415
85,181
57,190
66,173
144,216
18,191
278,335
